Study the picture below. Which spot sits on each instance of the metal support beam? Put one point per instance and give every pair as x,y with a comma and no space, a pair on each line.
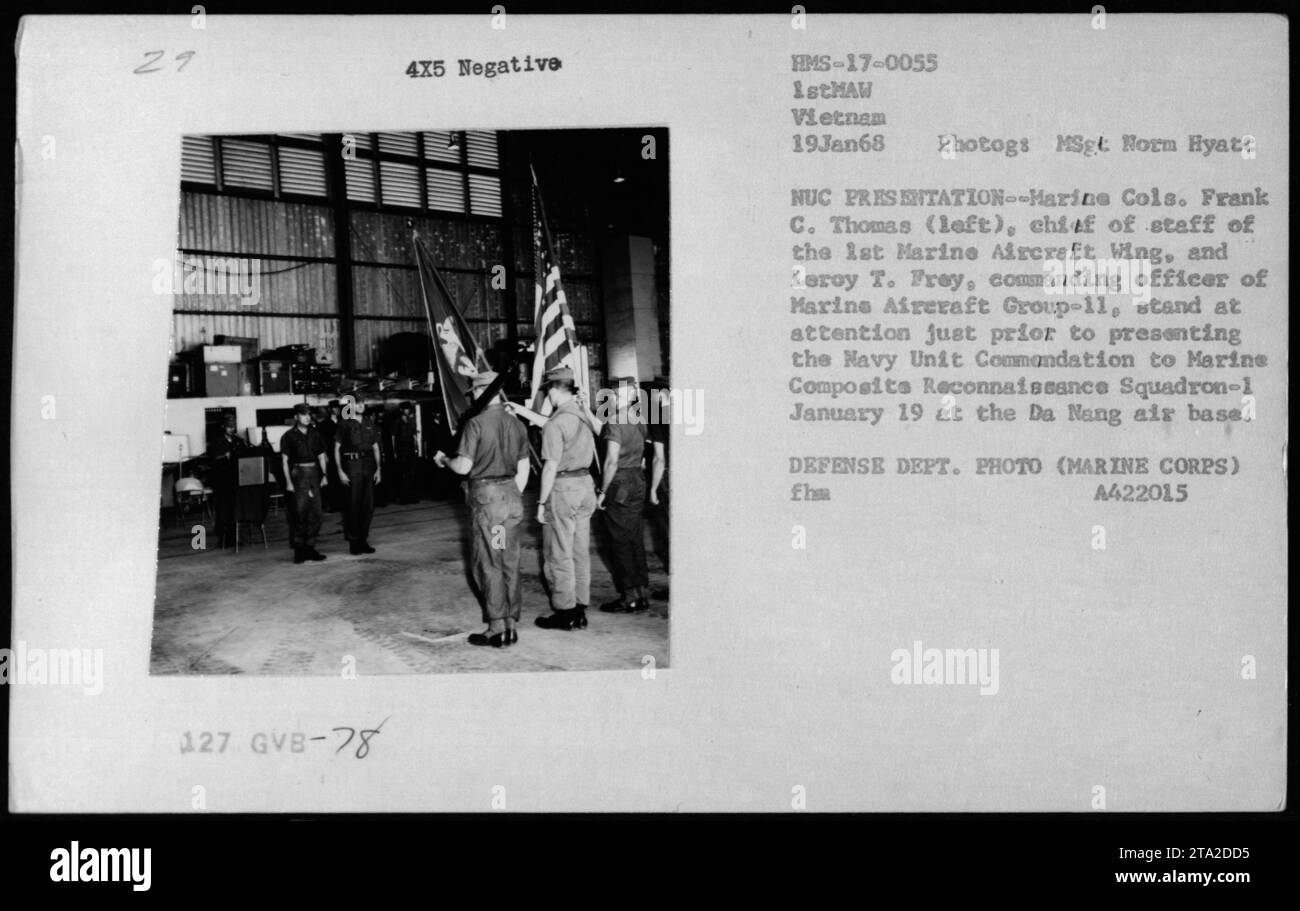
336,177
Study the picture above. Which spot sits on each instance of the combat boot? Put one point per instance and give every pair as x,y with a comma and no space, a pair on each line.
559,619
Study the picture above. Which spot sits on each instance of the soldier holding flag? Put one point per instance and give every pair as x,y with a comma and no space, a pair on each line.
493,452
491,448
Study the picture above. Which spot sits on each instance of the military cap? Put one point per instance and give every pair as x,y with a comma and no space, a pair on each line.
558,374
484,379
622,381
302,408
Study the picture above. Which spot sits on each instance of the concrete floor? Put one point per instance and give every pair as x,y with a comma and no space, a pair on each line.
406,609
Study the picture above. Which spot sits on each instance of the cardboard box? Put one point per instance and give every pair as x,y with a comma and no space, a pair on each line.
220,380
248,347
222,354
272,377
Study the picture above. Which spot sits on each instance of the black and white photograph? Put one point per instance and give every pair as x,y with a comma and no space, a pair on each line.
418,401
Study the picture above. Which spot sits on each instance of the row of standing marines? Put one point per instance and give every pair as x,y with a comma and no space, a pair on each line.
493,454
320,456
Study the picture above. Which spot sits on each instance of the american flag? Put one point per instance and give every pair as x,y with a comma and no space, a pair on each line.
557,340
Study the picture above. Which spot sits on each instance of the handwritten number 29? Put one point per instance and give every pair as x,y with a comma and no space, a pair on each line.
152,57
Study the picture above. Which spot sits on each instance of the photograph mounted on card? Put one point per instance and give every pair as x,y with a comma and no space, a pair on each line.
344,388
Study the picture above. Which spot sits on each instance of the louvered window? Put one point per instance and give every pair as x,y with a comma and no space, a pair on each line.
379,168
481,149
398,143
440,146
400,184
485,195
361,179
198,160
302,171
446,190
246,164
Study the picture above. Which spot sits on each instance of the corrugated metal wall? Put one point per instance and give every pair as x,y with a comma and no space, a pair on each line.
270,331
369,337
281,286
393,290
297,301
385,238
231,224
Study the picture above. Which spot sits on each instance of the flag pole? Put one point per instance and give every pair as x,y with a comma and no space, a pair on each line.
428,314
535,379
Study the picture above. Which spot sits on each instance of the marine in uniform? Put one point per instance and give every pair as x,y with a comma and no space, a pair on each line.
302,452
328,429
567,502
356,449
225,453
493,452
406,451
622,496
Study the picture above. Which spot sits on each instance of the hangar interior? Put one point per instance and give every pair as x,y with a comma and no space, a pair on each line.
296,281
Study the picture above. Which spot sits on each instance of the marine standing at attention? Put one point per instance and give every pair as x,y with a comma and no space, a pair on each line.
567,500
356,450
622,496
302,452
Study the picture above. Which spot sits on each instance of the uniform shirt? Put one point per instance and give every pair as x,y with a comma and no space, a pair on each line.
358,436
302,447
327,430
567,439
630,438
494,442
228,445
226,451
404,437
